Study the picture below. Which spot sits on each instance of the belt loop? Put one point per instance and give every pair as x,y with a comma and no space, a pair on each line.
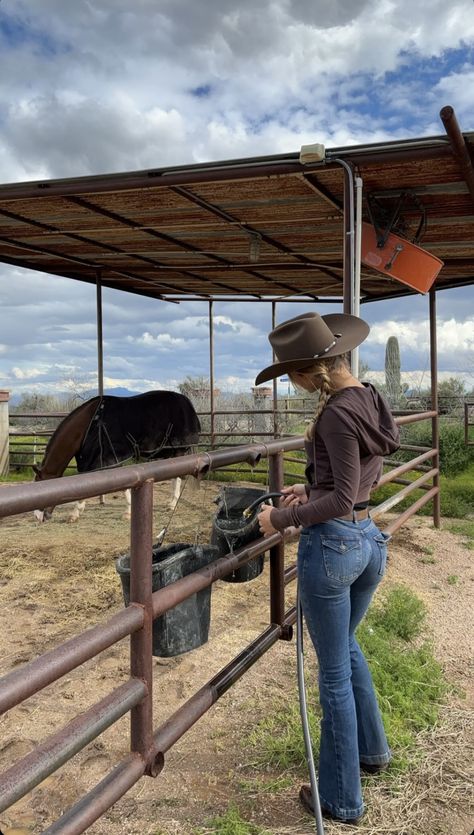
354,515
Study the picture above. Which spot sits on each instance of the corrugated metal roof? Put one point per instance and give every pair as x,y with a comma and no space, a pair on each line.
260,227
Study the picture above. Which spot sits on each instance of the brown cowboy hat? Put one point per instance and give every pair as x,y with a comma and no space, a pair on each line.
298,342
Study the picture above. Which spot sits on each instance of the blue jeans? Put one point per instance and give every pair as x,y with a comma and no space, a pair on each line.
340,564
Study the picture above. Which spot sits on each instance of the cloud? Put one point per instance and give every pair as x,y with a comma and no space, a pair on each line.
95,87
162,341
453,336
27,373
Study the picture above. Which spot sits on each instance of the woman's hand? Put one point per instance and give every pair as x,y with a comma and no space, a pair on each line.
296,494
264,523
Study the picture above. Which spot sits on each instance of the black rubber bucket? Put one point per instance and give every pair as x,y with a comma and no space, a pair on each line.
186,626
231,530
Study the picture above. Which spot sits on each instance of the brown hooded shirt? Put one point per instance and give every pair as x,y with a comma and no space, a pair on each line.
353,434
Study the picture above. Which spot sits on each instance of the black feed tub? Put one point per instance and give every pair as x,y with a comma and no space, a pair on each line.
232,530
186,626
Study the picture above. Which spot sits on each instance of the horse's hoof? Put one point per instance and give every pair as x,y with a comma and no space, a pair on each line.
73,519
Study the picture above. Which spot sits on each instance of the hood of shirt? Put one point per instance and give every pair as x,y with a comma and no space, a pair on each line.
366,412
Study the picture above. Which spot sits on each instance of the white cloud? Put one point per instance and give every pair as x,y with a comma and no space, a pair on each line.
162,341
27,373
452,335
112,85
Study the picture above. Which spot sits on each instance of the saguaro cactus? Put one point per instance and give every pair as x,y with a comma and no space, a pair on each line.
392,370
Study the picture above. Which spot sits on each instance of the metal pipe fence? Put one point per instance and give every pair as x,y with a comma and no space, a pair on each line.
149,745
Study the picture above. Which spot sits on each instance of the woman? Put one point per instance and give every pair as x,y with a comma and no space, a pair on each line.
342,553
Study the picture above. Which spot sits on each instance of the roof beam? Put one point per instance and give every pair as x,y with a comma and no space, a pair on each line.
91,279
125,221
311,181
223,262
287,165
82,239
458,145
245,227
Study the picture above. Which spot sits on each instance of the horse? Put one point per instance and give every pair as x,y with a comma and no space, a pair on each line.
108,431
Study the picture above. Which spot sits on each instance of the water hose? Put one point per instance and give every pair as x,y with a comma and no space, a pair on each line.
301,686
248,510
304,716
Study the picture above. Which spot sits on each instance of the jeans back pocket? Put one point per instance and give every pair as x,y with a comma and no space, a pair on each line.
342,557
381,540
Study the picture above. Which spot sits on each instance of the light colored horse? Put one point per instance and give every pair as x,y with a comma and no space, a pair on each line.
108,431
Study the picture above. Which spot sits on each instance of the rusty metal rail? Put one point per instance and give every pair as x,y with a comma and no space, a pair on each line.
148,746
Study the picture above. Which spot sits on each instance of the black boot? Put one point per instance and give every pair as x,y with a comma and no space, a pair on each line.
373,768
306,799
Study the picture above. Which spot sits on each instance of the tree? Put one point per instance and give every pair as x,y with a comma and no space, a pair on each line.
451,394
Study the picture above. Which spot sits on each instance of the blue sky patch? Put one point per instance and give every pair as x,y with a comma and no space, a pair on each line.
16,33
202,92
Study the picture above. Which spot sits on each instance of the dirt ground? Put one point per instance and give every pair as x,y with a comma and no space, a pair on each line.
58,579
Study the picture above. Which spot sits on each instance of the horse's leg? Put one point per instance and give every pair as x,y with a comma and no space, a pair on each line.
78,509
175,492
128,512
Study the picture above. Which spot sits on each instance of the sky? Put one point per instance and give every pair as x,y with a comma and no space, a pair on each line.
97,86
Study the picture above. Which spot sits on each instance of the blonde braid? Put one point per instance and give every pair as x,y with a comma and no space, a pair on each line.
323,370
326,391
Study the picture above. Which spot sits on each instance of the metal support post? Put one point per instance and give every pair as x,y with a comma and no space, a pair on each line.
434,405
275,381
100,346
277,552
141,642
211,372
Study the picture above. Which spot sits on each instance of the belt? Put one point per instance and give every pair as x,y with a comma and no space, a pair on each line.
356,515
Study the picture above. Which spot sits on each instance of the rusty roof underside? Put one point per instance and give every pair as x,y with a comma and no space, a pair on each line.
259,228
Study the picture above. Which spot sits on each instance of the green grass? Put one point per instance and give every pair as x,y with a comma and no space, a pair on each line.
230,823
457,495
408,680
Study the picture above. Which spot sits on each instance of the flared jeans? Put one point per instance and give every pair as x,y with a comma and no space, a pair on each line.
340,564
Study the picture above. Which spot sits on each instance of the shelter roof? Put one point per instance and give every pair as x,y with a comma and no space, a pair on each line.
264,227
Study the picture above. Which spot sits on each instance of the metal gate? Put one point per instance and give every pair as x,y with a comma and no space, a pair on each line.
148,745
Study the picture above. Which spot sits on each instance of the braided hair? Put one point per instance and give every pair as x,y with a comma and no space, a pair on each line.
320,375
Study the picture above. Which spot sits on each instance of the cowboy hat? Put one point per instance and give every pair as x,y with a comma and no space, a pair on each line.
298,342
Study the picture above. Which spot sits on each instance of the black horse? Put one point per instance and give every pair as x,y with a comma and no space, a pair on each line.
108,431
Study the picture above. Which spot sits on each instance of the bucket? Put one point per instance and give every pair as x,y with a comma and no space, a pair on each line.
231,530
186,626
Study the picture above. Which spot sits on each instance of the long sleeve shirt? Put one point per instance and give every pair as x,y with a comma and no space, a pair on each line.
344,459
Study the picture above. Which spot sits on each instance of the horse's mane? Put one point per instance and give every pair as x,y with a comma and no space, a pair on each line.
64,423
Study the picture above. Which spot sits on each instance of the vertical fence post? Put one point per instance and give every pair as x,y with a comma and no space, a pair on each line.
4,433
211,373
141,642
276,431
277,553
434,405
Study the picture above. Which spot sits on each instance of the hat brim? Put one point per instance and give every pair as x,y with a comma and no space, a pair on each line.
350,331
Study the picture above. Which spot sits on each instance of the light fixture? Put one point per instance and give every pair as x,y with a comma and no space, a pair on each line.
254,241
312,153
